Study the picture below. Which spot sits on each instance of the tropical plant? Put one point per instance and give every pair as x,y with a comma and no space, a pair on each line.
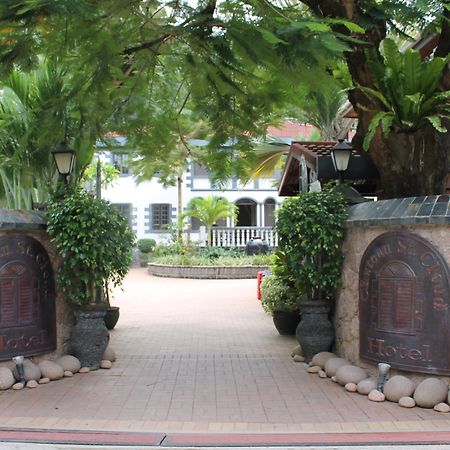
406,91
310,232
146,245
38,110
94,241
276,295
209,210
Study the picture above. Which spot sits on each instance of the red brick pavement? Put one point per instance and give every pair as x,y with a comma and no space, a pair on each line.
201,356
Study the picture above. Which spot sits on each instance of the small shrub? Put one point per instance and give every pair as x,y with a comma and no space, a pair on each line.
217,252
146,245
198,260
276,296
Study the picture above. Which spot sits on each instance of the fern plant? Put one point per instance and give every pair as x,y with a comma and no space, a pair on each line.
406,91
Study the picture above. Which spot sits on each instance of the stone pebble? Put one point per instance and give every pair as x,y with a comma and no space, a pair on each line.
376,396
18,386
298,358
333,378
333,364
367,385
430,392
407,402
32,384
397,387
6,378
322,374
350,387
44,380
84,370
320,359
296,352
442,407
30,369
105,364
313,369
110,354
51,370
68,373
70,363
350,374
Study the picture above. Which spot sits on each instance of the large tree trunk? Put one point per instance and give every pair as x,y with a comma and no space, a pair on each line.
415,163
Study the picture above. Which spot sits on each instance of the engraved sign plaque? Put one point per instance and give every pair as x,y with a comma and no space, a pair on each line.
27,298
404,294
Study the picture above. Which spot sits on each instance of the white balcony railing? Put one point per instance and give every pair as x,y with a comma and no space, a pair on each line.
239,236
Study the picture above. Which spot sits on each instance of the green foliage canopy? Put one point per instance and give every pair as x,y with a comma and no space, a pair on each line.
310,232
94,241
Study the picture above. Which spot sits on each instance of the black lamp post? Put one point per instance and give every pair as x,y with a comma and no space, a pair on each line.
340,154
64,158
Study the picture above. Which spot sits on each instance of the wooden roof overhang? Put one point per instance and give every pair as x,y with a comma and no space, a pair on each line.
361,171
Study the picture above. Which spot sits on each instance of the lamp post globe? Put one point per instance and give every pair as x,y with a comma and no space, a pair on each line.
64,158
340,155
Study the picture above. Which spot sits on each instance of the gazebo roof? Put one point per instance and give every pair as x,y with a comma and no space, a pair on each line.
317,159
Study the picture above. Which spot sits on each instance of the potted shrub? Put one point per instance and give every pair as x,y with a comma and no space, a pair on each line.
95,243
278,301
310,232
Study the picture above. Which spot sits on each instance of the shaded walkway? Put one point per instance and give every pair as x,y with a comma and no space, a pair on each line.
196,356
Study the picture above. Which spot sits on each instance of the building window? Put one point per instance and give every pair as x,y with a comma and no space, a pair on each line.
120,162
199,171
161,215
269,213
125,209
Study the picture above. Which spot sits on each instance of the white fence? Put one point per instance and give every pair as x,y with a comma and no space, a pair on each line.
239,236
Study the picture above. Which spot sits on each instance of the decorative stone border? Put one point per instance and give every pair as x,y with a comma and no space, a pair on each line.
204,272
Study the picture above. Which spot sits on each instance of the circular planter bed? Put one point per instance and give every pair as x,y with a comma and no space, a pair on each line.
205,272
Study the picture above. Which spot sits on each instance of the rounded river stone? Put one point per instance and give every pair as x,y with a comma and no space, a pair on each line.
350,374
430,392
333,364
397,387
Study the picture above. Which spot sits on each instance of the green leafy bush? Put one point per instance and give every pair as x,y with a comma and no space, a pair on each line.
310,232
146,245
198,260
276,296
216,252
94,241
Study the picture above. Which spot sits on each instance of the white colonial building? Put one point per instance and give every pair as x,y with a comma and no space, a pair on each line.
152,207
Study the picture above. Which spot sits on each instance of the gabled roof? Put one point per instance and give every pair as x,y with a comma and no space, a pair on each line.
317,159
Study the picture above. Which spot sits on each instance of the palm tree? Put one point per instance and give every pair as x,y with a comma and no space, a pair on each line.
38,110
209,210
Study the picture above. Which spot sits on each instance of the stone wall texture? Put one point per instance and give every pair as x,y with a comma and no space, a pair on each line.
30,224
359,235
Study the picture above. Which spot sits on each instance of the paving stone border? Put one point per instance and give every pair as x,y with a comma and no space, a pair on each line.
204,272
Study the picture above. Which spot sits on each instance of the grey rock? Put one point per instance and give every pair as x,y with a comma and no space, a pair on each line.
397,387
376,396
105,364
320,359
30,369
51,370
6,378
333,364
407,402
109,354
70,363
350,374
430,392
367,385
442,407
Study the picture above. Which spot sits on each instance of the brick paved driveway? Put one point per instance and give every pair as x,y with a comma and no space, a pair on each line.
201,355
